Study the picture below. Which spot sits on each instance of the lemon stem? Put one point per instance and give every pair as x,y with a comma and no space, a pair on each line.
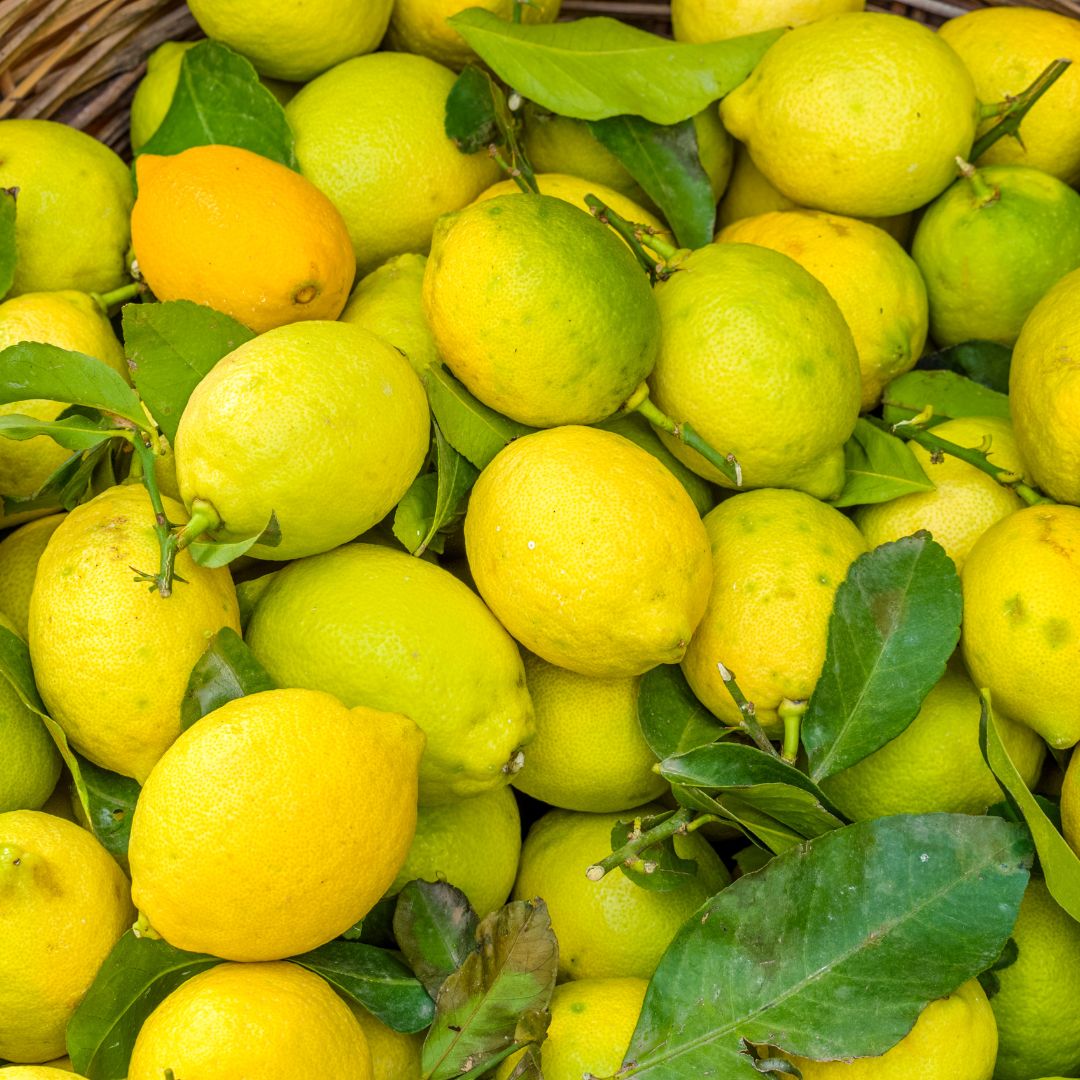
1013,109
726,463
163,528
514,173
791,713
633,234
985,193
679,824
749,723
107,301
204,519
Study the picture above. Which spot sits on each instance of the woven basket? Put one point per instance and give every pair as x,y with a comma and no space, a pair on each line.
79,61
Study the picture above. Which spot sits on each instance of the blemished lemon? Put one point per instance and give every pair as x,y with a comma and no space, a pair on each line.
111,658
19,554
610,928
991,246
875,283
322,424
445,848
541,311
1021,583
369,133
756,355
276,1021
388,302
65,904
589,753
1005,49
242,234
154,94
860,113
592,1021
376,627
420,26
1044,391
954,1038
280,801
546,536
294,41
394,1055
935,764
706,20
965,501
778,558
74,205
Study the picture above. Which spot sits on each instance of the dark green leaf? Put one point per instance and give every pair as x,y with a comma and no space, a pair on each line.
376,978
671,718
510,975
435,928
170,347
136,977
894,624
784,956
471,119
456,478
72,432
594,68
985,362
471,428
664,160
658,867
219,99
215,553
415,512
879,467
112,799
226,671
950,395
750,858
756,824
7,239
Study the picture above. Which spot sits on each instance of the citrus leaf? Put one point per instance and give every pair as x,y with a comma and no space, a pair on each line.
71,432
135,978
787,956
7,239
170,347
471,117
216,553
671,718
984,362
951,395
226,670
879,467
456,478
435,928
755,824
510,976
415,512
375,978
1060,865
664,160
32,369
593,68
895,622
219,99
70,484
111,799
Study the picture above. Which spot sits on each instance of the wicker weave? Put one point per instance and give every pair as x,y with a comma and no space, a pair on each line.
79,60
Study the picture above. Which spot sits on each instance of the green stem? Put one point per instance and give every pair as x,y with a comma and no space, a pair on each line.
791,713
678,823
514,173
725,463
167,540
632,234
204,518
1012,110
749,723
985,193
109,300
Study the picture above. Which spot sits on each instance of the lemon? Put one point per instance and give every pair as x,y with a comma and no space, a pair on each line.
1005,49
65,904
541,311
283,801
965,501
388,302
112,658
778,558
36,1072
155,91
860,114
991,246
935,764
420,26
589,753
1038,1025
875,283
1044,391
705,20
445,848
377,627
321,423
273,1021
394,1055
610,928
19,554
240,233
756,355
548,540
294,41
1020,584
954,1038
592,1021
370,135
72,210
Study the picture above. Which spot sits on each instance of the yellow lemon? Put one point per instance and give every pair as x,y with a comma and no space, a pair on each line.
19,554
860,114
111,658
276,1021
778,558
65,904
36,1072
283,801
1020,630
706,20
547,540
394,1055
369,133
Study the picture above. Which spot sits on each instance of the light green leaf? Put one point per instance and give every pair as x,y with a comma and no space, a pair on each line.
71,432
879,467
951,395
215,553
